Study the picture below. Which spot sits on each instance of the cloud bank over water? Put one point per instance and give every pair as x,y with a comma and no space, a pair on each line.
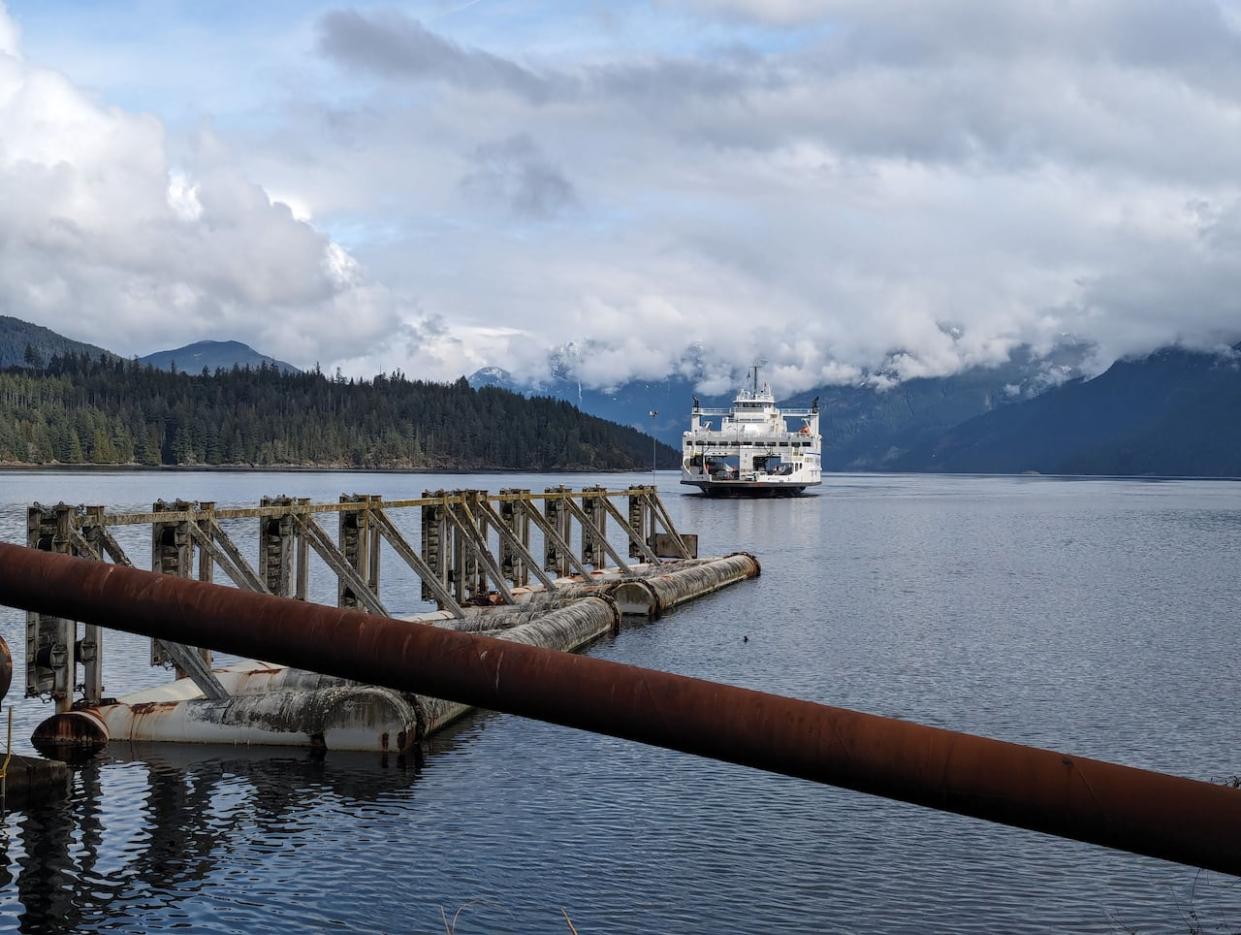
837,187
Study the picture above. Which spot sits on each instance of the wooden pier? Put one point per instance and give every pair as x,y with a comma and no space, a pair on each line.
543,569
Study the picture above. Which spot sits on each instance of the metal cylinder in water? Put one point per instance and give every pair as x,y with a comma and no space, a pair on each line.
267,705
599,582
565,628
70,734
341,717
652,595
506,617
278,706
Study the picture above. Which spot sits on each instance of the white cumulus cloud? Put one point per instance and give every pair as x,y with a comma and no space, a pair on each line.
103,238
833,186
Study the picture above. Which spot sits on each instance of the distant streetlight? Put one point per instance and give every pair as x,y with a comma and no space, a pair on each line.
654,413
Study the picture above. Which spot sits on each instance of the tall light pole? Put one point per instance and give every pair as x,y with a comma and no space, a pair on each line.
654,413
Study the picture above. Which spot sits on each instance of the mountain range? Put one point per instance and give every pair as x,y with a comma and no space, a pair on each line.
1174,412
868,425
24,344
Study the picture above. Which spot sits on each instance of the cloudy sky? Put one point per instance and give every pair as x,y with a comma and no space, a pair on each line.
831,185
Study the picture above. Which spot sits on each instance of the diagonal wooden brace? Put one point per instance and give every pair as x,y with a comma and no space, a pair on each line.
602,540
327,550
243,576
662,514
219,546
546,528
415,561
484,555
188,660
516,544
647,552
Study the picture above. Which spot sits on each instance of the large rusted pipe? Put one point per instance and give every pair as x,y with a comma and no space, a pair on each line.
1136,810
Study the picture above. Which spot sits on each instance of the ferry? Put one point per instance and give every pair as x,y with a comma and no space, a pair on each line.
753,452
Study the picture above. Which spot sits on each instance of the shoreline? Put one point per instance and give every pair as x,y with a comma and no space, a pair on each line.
304,469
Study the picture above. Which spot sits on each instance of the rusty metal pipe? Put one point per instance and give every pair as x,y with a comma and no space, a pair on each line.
1136,810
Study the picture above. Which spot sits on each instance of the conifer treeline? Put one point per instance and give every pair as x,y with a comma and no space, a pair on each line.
82,410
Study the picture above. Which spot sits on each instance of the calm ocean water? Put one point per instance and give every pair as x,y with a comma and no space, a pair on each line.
1101,617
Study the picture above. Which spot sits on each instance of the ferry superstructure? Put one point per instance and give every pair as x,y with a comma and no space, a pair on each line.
753,451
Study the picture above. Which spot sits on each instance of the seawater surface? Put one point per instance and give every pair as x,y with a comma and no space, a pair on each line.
1100,617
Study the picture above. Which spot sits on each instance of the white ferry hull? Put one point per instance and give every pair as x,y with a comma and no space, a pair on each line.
748,488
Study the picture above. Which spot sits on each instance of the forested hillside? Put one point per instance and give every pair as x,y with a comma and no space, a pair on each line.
89,410
24,344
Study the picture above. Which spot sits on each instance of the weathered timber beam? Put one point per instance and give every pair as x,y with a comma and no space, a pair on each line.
185,516
516,545
588,530
301,588
206,562
327,550
216,543
664,518
647,552
189,661
83,547
113,548
465,523
561,545
90,528
425,572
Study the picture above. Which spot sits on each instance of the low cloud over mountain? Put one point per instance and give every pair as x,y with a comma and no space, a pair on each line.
840,188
